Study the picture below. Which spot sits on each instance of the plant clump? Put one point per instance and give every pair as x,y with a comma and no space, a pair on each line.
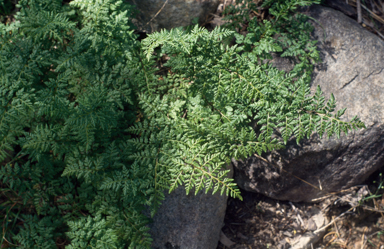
93,130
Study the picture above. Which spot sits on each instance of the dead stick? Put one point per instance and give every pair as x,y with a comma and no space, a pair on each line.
158,12
358,6
337,218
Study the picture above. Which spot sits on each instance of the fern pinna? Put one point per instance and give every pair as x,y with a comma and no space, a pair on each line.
94,126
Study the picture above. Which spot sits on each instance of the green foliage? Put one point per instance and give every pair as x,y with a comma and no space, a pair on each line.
94,127
238,13
6,7
379,190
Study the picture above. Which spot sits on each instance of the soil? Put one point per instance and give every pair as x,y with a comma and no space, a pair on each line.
261,222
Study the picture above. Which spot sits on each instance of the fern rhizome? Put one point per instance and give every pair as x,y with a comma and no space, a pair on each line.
95,125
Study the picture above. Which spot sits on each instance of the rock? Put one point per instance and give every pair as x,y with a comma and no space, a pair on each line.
155,15
225,240
311,225
307,240
318,217
352,69
189,221
342,6
287,234
283,244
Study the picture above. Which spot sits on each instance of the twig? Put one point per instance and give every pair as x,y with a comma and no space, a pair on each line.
373,7
375,233
337,229
382,36
298,217
331,240
158,12
8,241
358,6
363,238
301,220
377,17
372,209
333,221
382,6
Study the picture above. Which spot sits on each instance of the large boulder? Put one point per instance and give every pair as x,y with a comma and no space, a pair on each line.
189,221
352,69
155,15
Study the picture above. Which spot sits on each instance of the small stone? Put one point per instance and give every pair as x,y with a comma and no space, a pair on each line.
319,219
296,225
311,225
225,240
242,236
288,234
306,241
283,244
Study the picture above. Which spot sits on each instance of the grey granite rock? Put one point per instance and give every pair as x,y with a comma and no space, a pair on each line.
352,69
189,221
155,15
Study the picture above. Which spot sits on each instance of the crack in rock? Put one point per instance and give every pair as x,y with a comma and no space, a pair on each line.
349,82
373,73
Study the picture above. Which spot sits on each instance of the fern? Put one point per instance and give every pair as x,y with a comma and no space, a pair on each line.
96,125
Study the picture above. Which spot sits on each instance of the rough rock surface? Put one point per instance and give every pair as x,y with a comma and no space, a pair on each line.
353,69
189,221
155,15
